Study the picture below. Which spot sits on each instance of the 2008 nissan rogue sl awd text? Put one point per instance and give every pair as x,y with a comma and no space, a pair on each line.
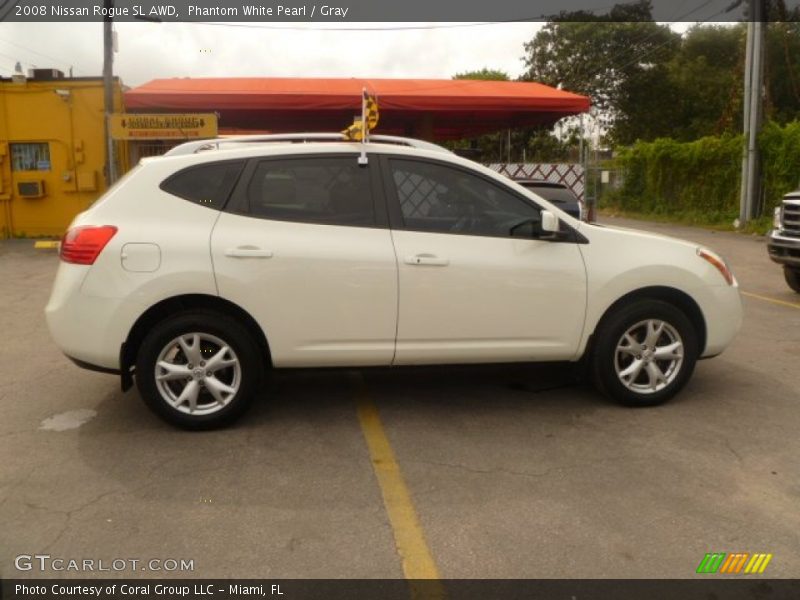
205,267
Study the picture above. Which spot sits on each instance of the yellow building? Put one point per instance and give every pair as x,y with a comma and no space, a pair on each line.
52,153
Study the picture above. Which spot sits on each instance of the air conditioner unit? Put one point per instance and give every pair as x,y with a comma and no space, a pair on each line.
30,189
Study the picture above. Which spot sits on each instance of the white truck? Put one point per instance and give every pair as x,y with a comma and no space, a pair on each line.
783,241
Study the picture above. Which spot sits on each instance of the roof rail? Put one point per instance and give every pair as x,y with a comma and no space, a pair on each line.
404,141
295,138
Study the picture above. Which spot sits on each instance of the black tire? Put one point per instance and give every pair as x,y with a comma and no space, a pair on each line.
792,277
606,360
213,329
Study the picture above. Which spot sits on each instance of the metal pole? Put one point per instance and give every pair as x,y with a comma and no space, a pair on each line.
596,180
584,152
756,104
753,82
108,92
748,74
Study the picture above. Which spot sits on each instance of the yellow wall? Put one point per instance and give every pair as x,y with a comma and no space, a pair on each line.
73,127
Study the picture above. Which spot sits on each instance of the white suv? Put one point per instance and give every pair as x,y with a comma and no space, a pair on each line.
205,267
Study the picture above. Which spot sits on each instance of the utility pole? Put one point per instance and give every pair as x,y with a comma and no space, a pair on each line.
108,89
753,96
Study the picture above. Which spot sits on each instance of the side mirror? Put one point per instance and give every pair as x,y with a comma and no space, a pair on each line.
546,227
549,222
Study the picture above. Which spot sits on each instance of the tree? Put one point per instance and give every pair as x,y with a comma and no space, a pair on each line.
618,59
484,74
706,78
646,81
485,148
538,144
783,70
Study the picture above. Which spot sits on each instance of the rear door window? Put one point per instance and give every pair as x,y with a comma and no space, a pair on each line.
322,190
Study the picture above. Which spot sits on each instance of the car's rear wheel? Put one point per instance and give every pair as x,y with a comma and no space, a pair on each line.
644,353
198,370
792,277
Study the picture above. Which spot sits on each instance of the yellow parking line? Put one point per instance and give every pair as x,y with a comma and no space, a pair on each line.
416,558
773,300
44,244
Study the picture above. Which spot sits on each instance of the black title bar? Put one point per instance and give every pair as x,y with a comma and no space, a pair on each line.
712,586
338,11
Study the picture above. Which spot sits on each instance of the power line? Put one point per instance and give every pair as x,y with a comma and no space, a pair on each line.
31,50
649,52
356,29
659,46
15,59
533,19
648,38
639,42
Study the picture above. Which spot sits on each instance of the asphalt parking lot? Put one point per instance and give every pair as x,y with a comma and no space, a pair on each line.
489,472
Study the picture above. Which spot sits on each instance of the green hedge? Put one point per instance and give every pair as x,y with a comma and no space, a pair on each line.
703,177
780,148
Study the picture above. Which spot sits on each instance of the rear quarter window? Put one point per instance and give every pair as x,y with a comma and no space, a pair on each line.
208,184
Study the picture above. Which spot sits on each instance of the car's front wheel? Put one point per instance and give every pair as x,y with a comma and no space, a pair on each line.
792,277
198,370
644,353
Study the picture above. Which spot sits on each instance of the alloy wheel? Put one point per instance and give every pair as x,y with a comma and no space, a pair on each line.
198,373
648,356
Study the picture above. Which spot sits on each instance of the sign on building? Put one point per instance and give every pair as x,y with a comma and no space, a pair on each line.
134,126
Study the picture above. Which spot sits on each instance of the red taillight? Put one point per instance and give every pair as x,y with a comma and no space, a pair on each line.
82,245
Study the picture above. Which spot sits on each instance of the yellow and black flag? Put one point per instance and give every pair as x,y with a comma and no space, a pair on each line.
356,131
369,113
371,109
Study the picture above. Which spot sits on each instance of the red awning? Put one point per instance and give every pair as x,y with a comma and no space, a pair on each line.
433,108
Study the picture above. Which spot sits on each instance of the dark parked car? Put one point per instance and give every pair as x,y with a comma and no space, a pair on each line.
556,193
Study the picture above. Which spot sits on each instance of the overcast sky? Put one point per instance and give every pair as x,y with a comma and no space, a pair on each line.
151,50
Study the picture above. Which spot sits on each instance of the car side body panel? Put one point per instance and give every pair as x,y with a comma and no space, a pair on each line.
329,295
325,296
490,300
615,268
110,294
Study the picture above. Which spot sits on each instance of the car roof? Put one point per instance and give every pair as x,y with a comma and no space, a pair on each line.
232,142
297,145
267,150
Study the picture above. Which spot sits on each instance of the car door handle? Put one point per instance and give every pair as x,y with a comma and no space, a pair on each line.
248,252
427,260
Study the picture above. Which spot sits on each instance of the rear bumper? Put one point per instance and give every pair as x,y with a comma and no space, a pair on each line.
90,367
783,249
88,329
